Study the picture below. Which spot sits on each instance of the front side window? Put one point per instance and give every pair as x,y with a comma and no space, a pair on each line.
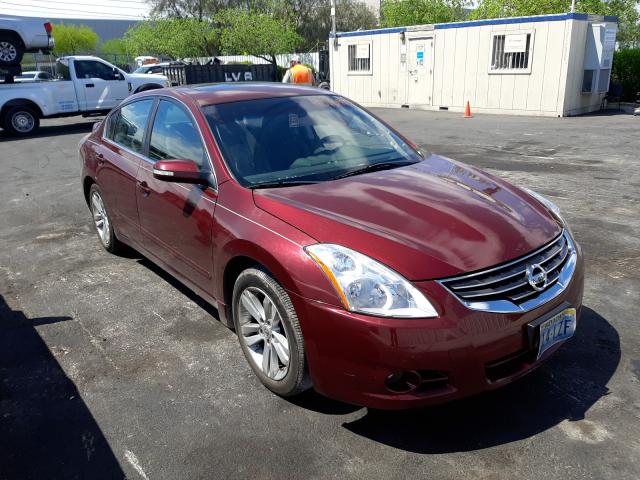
302,139
93,69
126,126
174,135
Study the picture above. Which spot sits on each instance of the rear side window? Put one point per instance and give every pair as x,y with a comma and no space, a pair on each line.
174,135
126,126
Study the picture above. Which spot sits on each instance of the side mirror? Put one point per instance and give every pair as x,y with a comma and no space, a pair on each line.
182,171
117,75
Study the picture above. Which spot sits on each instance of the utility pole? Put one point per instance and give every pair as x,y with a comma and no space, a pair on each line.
333,18
573,6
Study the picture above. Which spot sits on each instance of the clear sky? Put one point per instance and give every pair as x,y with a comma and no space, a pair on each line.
114,9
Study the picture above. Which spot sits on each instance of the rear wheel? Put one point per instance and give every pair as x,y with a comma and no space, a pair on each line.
21,120
11,51
102,220
269,332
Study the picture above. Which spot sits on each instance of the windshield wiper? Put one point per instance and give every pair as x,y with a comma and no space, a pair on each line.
374,167
281,183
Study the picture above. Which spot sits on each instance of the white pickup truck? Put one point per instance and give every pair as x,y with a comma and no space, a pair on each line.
87,86
19,35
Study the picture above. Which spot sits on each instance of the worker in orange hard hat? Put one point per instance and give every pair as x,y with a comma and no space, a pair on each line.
298,73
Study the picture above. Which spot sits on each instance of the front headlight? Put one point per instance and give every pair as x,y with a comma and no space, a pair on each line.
366,286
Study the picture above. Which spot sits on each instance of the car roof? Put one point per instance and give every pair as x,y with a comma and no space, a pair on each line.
216,93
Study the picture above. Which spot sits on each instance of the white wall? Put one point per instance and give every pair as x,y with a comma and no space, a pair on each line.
384,86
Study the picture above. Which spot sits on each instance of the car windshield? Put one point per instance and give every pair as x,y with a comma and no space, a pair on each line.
291,140
142,69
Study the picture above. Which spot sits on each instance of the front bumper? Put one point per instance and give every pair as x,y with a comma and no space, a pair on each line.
465,351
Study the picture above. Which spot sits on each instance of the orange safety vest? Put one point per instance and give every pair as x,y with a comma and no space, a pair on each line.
301,75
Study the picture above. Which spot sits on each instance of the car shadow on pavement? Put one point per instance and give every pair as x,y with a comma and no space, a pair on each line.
46,429
564,388
52,130
175,283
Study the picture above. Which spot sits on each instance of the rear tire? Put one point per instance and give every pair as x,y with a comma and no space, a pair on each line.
269,333
11,50
102,221
21,120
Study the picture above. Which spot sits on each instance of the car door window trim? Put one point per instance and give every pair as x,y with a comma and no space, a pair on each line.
184,107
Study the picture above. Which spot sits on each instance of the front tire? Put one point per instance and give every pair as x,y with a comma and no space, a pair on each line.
21,120
269,332
102,220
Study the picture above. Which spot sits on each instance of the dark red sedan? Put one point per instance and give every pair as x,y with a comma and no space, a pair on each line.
343,256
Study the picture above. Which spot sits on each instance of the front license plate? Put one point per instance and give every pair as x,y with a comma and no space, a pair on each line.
557,329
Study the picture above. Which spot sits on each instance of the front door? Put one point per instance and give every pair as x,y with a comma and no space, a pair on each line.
102,87
176,219
420,71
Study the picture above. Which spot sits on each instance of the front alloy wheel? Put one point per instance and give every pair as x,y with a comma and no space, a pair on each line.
269,332
262,332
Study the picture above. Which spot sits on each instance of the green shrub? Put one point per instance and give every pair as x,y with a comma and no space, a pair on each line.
626,71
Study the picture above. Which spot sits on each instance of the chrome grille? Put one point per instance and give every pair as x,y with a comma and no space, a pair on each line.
507,287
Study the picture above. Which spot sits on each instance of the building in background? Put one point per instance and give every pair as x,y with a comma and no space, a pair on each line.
552,65
106,29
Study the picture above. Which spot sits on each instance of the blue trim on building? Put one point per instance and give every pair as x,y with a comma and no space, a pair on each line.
477,23
507,21
379,31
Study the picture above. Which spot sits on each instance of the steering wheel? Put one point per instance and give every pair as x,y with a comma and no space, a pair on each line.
329,139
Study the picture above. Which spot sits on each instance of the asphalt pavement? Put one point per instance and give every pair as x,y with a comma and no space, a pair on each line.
109,368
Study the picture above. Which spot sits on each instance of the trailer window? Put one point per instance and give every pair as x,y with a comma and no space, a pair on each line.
359,57
511,52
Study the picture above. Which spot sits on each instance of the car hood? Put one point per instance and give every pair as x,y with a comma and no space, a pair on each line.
150,77
429,220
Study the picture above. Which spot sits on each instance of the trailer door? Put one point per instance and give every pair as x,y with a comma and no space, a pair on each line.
420,71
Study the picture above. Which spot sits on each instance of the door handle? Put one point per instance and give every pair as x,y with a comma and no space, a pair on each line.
89,85
100,158
144,188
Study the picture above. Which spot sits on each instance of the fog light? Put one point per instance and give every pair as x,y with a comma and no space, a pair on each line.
403,382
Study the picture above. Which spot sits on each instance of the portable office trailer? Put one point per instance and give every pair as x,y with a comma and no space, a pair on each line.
553,65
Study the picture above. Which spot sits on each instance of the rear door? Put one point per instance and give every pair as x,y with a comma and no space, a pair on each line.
99,86
119,157
176,219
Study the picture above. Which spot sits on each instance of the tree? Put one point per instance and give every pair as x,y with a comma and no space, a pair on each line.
259,34
311,19
314,19
625,10
202,9
115,46
396,13
72,39
174,37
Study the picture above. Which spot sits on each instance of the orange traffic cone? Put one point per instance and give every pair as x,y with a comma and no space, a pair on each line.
467,111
